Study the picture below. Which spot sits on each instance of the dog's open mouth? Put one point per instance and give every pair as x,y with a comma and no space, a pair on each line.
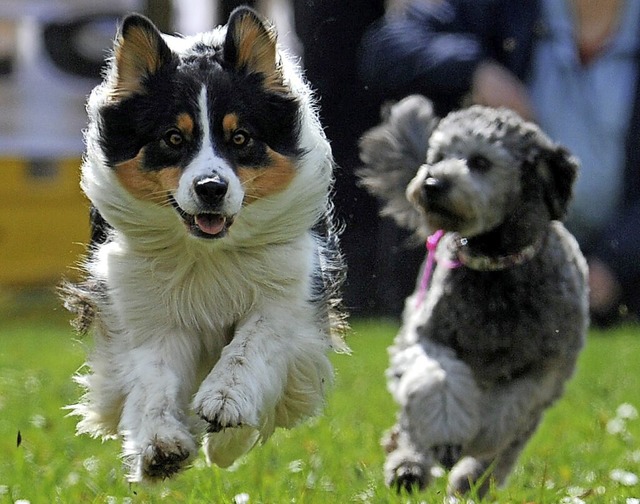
206,224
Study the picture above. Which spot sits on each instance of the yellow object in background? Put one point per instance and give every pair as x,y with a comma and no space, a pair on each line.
44,220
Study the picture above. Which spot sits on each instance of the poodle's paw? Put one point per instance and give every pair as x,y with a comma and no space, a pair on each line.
163,456
447,455
408,476
223,407
469,473
406,470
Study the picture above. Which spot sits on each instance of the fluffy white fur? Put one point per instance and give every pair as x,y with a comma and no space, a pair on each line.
189,330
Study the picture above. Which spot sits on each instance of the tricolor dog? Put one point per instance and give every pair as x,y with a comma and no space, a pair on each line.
212,282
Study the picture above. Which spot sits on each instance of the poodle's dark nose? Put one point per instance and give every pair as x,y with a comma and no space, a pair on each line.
434,187
211,190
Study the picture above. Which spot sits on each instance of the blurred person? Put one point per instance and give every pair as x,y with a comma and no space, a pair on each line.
571,66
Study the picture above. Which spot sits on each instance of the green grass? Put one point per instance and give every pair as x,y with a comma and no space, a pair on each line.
335,458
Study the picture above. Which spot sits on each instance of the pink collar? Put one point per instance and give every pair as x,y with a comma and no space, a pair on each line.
469,260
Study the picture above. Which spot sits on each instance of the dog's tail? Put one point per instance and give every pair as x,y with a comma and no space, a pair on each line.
392,153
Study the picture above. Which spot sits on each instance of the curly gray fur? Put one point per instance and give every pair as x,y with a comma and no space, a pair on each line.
393,152
483,353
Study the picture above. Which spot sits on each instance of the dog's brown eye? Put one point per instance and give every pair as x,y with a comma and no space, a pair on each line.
478,163
173,138
240,138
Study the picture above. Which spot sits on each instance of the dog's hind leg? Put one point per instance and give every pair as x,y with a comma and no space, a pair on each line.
480,473
510,409
224,447
471,473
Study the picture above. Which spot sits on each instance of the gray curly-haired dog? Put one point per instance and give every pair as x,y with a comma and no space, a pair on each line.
500,312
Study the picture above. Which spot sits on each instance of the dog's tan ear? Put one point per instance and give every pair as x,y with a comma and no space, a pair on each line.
139,53
250,47
558,170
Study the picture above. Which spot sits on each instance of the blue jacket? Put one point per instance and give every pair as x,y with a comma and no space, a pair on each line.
433,48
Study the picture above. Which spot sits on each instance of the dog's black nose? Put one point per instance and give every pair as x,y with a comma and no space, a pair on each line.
434,186
211,190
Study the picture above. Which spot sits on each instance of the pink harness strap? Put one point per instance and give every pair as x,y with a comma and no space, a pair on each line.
432,244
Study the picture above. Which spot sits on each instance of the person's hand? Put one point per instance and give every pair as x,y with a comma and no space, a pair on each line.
604,288
495,86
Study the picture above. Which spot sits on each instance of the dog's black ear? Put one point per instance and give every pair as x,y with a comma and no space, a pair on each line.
139,52
393,152
558,169
250,47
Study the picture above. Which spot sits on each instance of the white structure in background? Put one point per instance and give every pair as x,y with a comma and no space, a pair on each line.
51,52
42,103
194,16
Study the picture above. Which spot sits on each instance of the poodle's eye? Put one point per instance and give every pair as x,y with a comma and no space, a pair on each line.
173,138
240,138
479,163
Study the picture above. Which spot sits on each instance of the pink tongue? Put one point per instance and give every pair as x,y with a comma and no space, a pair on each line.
210,223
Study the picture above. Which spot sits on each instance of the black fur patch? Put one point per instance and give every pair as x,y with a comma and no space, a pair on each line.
143,119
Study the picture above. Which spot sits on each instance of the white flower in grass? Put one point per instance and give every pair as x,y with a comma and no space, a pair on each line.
627,411
572,500
296,466
311,480
91,464
625,478
575,491
38,421
22,501
32,384
326,484
73,478
365,496
616,426
241,498
632,500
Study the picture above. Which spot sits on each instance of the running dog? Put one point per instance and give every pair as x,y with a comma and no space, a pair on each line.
500,312
212,283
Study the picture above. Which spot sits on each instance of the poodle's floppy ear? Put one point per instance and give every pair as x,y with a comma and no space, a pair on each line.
558,169
392,153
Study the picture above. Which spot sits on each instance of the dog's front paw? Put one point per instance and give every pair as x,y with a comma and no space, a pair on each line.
406,470
408,476
163,456
163,459
225,407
